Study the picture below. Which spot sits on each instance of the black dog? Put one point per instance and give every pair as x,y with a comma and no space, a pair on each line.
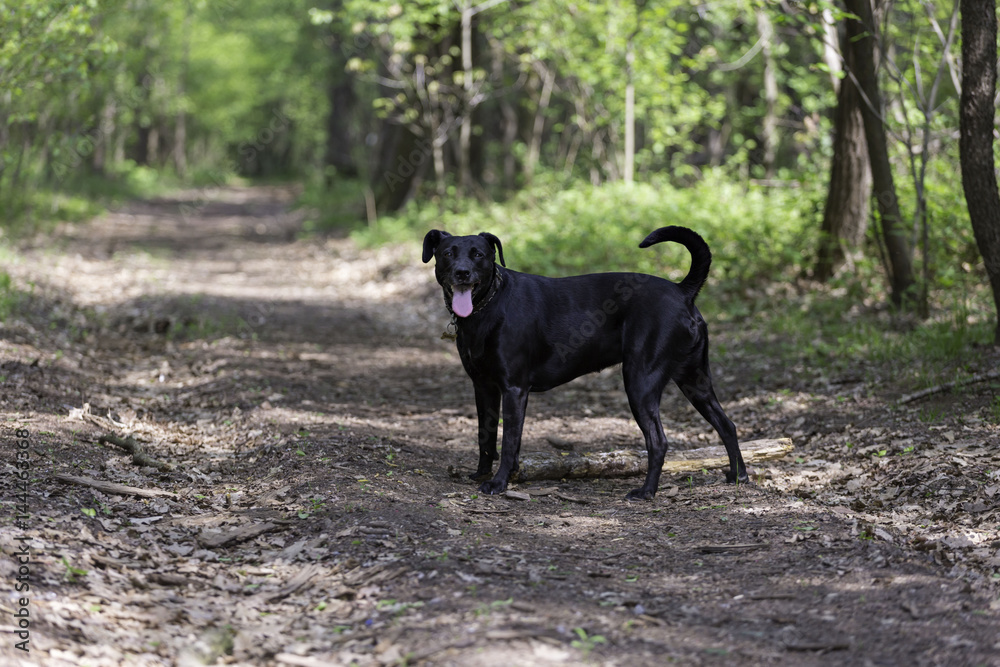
519,333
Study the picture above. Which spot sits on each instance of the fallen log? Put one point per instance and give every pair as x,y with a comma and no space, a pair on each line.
948,386
632,462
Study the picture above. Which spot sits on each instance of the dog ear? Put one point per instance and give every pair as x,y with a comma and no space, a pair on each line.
431,241
497,246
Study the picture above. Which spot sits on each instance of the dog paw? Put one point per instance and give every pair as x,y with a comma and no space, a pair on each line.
733,479
640,494
493,487
479,474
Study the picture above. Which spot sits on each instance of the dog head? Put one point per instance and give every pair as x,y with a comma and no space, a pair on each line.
464,266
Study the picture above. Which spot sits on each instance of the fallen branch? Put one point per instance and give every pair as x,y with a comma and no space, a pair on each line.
632,462
139,456
948,386
214,540
304,576
726,548
112,488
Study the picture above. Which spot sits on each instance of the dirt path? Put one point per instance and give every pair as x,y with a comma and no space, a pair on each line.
317,510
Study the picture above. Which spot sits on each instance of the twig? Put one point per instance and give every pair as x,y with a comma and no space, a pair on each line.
725,548
112,488
948,386
139,456
213,540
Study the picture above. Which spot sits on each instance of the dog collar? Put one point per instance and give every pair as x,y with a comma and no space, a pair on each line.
494,288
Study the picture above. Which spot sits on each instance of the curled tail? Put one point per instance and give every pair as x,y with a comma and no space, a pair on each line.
701,256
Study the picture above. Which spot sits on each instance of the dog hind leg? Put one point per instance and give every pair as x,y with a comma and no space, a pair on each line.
696,385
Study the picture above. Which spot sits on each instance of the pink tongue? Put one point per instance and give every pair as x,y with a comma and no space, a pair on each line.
461,303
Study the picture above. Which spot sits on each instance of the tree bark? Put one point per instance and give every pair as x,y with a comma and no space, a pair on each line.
548,79
340,91
769,126
629,171
465,131
180,128
402,161
976,123
845,215
860,32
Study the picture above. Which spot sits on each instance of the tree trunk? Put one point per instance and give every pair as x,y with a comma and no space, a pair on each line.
104,145
860,34
769,126
338,158
180,129
508,116
465,131
629,171
976,122
141,151
535,147
402,161
845,216
153,145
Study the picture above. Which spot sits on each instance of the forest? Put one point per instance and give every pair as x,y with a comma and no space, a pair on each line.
411,112
235,434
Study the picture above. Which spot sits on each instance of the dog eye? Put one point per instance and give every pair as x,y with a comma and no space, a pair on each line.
478,254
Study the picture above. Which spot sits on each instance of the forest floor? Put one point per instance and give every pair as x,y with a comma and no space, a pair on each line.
316,509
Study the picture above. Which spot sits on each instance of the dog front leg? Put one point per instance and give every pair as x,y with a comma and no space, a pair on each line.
488,410
515,403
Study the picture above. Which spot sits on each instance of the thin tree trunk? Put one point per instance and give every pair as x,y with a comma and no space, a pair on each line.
535,147
903,292
401,162
833,47
508,115
465,131
104,148
769,127
180,129
338,158
629,172
153,145
845,215
976,122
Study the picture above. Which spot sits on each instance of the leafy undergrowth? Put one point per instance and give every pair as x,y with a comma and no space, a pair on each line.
316,510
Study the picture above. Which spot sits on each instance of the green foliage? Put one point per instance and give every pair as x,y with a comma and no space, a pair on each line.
335,206
97,97
755,235
92,89
835,335
9,296
586,642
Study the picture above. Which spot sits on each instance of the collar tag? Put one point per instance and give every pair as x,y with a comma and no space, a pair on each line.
451,333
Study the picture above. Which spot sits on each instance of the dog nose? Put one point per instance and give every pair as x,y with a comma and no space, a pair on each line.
462,275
